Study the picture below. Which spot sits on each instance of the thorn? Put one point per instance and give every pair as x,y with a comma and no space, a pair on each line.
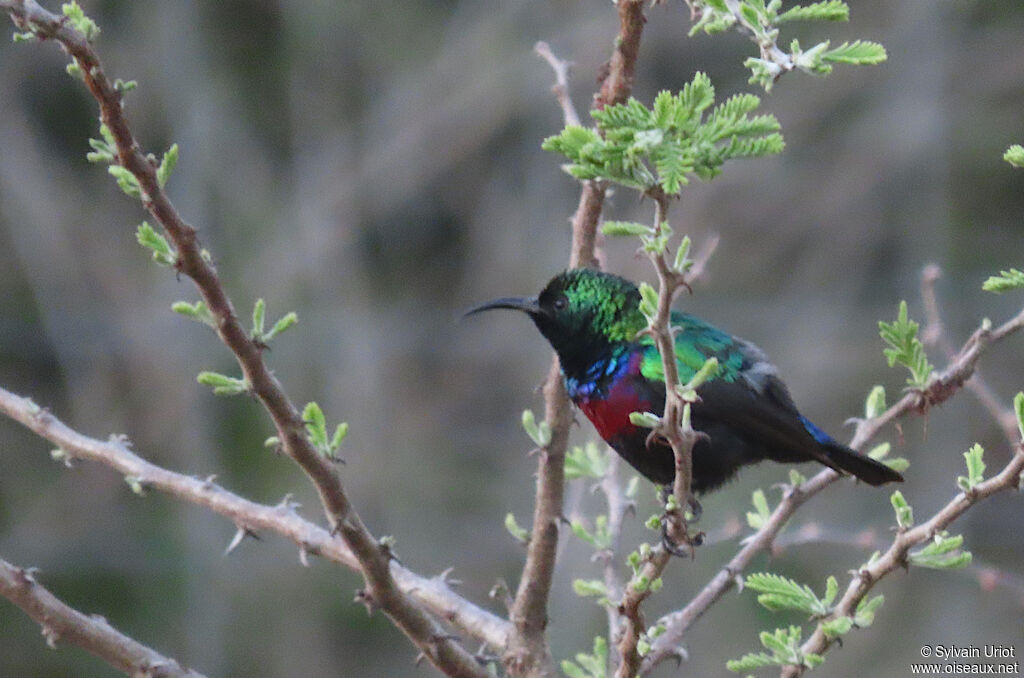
419,658
209,482
304,555
51,636
26,576
240,534
287,505
367,600
445,578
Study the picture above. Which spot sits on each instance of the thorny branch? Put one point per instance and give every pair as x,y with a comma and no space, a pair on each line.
63,624
528,653
251,517
381,592
941,387
674,429
896,557
934,334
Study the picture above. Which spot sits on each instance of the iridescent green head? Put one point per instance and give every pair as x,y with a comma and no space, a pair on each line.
581,312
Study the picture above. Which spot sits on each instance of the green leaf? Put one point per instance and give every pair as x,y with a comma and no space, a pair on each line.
709,370
197,311
587,461
875,403
898,464
222,384
620,228
77,18
796,478
904,512
126,180
1015,155
975,469
830,10
880,451
781,593
589,665
784,646
589,587
316,424
648,300
540,433
865,613
762,513
644,419
943,553
1005,281
286,321
860,52
833,628
259,312
163,253
167,165
513,527
905,348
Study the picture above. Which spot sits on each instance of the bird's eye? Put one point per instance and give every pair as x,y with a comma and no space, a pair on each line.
561,303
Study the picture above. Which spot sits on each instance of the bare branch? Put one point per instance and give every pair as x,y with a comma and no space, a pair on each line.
561,87
428,636
432,593
941,387
63,624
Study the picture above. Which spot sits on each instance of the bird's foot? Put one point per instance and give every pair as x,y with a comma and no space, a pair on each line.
696,510
686,548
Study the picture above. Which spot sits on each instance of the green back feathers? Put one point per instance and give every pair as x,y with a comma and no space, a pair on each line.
696,341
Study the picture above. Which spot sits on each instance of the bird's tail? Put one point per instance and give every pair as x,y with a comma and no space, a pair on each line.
841,458
867,469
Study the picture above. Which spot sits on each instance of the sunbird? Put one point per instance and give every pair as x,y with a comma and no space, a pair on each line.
594,322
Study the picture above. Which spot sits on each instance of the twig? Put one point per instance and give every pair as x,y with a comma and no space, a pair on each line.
282,519
63,624
675,430
896,557
934,334
527,652
445,654
561,87
941,387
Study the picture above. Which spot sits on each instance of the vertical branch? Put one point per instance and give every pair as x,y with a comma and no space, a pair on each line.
528,653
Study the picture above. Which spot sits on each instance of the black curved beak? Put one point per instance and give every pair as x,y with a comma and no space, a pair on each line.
528,305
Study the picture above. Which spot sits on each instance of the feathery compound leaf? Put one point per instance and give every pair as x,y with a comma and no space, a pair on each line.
861,52
1015,155
590,665
663,146
163,253
865,614
830,10
222,384
784,646
587,461
83,24
780,593
905,348
904,512
618,228
1005,281
943,553
761,513
167,165
975,468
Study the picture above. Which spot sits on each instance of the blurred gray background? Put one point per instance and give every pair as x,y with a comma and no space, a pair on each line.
377,168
